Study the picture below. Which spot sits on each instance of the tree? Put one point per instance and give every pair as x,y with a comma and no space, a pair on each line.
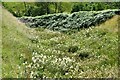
44,6
75,8
56,6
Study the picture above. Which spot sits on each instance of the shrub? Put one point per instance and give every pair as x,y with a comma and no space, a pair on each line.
83,55
72,49
63,22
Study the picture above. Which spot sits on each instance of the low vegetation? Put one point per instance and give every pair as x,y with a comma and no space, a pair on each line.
67,22
15,43
42,53
89,53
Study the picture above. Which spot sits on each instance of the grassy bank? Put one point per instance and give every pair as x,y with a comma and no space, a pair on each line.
37,52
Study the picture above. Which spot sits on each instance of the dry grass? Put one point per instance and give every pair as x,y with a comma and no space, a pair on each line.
111,25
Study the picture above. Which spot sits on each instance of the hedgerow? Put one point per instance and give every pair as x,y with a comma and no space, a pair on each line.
64,22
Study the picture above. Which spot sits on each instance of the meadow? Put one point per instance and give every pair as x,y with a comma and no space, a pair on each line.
91,52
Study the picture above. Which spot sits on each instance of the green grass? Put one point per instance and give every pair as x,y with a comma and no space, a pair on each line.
15,43
0,40
51,54
99,43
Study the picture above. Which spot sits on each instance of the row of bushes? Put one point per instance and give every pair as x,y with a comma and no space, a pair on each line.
64,22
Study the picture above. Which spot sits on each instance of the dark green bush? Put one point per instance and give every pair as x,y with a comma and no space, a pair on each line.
65,22
72,49
83,55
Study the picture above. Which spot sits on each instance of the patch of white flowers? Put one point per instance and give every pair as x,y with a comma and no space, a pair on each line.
41,61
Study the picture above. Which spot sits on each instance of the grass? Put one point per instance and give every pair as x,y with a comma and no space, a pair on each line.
15,43
44,53
95,56
0,40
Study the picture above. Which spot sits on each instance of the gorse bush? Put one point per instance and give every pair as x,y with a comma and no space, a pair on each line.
72,49
83,55
65,22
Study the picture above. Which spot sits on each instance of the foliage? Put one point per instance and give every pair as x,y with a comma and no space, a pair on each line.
73,49
94,6
65,22
19,9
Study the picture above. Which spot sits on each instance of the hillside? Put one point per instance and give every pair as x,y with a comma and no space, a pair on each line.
92,52
38,52
0,41
15,44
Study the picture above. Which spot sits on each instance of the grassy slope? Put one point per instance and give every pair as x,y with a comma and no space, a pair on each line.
15,43
99,42
0,40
